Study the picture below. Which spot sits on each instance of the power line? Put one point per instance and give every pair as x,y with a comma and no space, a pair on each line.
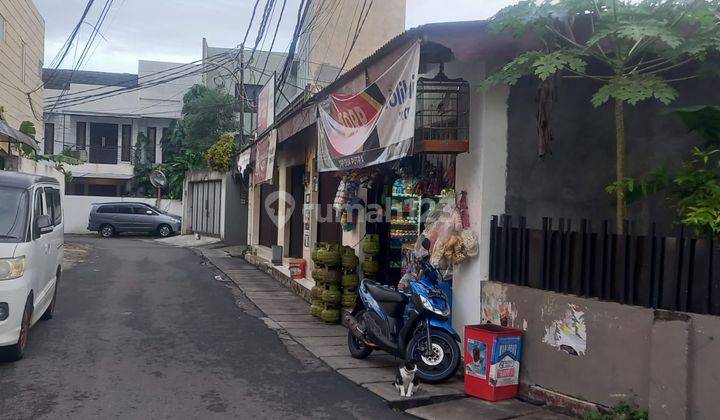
88,45
357,34
65,48
302,14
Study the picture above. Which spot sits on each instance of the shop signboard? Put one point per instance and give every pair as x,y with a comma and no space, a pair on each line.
374,126
265,157
266,106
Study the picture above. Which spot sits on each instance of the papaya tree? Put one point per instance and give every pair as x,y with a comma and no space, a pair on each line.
635,50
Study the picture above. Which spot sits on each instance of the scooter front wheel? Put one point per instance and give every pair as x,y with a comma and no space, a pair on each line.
437,363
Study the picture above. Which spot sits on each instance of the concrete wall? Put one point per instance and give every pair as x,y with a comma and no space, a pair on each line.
77,209
22,48
43,168
663,361
570,181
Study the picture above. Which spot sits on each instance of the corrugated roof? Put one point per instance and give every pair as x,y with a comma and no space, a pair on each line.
60,79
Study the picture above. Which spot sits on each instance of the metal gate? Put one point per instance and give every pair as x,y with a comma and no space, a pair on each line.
206,208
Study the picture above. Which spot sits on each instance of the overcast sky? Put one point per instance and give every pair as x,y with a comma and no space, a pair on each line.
172,30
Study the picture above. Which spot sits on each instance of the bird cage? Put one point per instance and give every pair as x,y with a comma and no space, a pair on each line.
442,116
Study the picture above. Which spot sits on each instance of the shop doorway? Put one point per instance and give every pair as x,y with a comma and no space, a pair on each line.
329,229
268,227
297,191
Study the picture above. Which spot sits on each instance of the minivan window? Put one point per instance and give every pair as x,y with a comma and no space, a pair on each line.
107,209
124,210
52,198
13,214
142,210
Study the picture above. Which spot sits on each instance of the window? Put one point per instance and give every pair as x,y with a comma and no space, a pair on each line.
124,209
142,210
2,28
108,209
52,197
49,138
39,208
163,142
152,141
126,144
80,135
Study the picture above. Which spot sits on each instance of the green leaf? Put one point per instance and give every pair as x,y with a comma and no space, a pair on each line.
548,64
28,128
634,89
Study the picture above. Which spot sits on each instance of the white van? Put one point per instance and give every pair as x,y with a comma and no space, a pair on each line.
31,254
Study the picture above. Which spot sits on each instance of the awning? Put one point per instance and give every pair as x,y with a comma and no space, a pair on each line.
9,134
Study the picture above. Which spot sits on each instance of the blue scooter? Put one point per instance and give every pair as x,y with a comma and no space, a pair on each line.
413,325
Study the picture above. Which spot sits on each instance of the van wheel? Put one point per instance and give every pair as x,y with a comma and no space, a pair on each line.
50,311
107,231
164,231
17,351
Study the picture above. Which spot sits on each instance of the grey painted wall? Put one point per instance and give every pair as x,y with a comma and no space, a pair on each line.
570,181
663,361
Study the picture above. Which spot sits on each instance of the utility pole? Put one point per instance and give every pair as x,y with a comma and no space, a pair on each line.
241,94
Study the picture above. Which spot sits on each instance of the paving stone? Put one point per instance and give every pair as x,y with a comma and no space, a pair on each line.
387,391
268,295
309,324
316,332
329,341
473,408
328,350
345,362
366,375
295,317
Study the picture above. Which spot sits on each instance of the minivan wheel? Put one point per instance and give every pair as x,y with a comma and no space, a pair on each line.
164,231
50,311
17,351
107,231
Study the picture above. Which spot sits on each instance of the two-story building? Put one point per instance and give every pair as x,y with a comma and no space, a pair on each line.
22,33
103,132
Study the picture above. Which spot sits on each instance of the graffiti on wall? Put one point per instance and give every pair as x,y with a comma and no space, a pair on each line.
496,308
568,334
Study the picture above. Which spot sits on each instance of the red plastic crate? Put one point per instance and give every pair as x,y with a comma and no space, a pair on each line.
492,361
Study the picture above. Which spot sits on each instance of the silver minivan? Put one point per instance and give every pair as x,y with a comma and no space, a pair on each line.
31,254
109,219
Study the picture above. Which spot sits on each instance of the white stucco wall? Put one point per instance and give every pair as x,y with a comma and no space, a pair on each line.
43,168
481,173
76,209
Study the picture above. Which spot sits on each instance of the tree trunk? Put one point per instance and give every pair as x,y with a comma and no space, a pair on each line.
619,166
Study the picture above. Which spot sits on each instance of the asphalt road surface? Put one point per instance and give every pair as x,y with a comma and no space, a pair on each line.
144,330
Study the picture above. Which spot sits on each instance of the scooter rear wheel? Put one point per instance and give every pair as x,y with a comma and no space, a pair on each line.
441,363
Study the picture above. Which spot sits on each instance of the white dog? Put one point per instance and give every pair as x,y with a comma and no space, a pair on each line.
405,380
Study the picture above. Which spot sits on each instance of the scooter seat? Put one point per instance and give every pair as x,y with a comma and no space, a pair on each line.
383,294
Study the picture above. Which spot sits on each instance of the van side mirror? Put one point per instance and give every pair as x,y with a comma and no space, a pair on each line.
149,212
44,224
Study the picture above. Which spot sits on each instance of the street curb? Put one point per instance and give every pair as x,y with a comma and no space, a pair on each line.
267,267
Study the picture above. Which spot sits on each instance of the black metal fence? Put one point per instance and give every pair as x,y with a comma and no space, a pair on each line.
679,272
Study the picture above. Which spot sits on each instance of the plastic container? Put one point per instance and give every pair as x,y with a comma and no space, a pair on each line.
297,268
492,361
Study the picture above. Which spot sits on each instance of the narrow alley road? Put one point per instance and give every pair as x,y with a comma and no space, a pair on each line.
146,331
